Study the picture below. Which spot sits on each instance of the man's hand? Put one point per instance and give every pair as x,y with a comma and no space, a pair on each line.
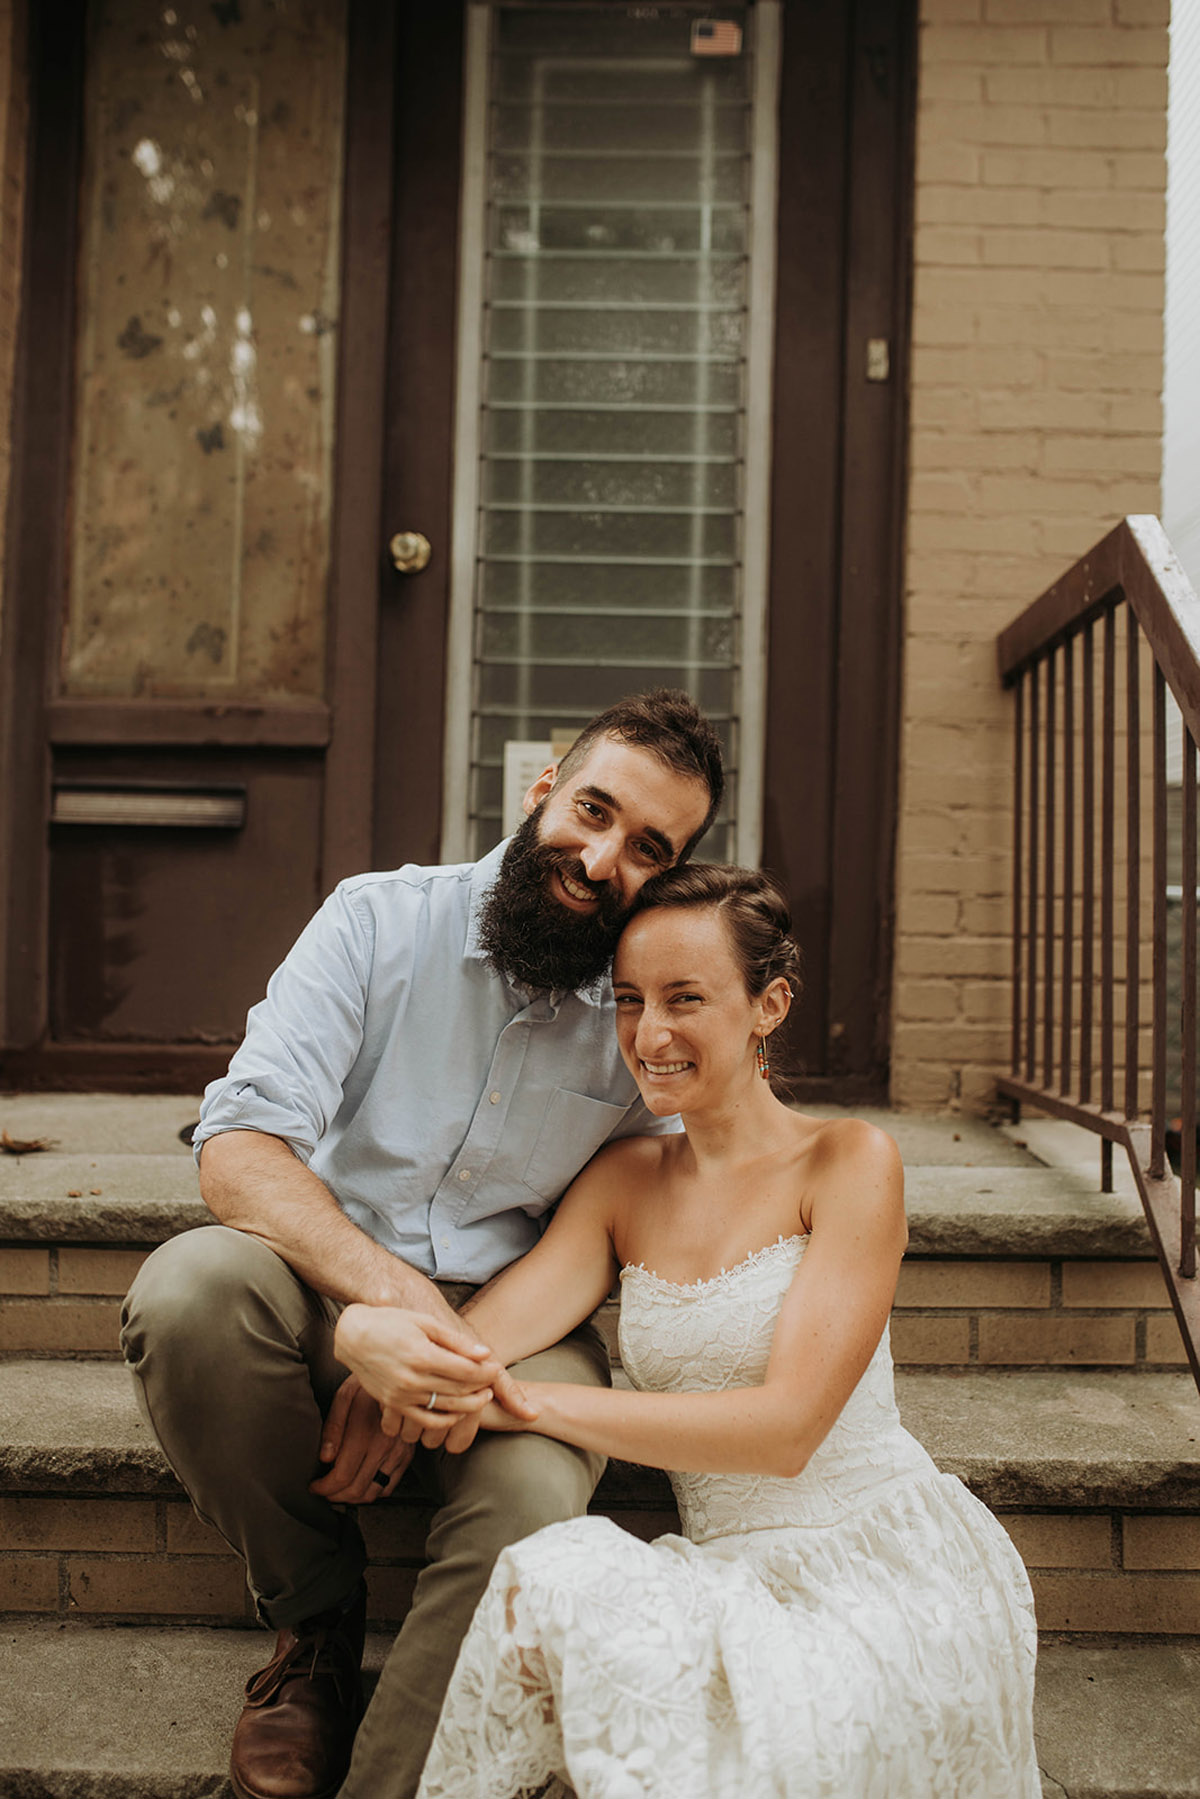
358,1448
405,1359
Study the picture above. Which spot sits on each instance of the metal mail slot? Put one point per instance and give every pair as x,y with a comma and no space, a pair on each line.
213,808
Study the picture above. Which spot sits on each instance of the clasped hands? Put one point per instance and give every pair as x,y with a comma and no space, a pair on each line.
398,1361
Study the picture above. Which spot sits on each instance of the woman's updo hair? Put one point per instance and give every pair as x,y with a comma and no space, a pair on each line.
754,912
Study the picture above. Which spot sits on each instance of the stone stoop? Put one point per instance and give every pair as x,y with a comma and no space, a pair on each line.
148,1714
1037,1359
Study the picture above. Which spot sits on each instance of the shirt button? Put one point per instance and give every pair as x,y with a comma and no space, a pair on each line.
464,1174
445,1242
494,1098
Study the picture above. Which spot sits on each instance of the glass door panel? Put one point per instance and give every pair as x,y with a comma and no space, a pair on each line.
606,398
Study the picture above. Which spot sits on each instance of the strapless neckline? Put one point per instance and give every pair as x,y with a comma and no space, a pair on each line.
753,1260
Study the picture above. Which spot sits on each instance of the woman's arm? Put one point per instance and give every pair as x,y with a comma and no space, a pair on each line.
829,1326
532,1304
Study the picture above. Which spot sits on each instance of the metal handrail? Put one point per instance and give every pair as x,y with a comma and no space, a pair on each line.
1064,1059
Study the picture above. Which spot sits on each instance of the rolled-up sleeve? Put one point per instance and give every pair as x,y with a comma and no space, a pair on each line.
288,1077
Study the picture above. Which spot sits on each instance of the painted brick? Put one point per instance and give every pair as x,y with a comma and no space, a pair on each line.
1163,1341
1109,130
192,1586
1113,1284
1047,12
1061,1540
964,956
29,1584
1143,12
1113,211
121,1524
929,1342
98,1270
1006,1338
919,1086
50,1324
929,1000
1110,48
24,1271
951,12
984,1283
995,128
1046,249
1160,1542
958,204
1145,1603
985,45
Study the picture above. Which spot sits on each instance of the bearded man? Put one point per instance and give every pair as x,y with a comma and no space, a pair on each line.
432,1065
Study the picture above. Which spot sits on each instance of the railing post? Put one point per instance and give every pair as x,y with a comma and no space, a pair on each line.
1035,719
1087,873
1068,862
1048,874
1018,855
1158,1087
1187,1019
1133,861
1108,785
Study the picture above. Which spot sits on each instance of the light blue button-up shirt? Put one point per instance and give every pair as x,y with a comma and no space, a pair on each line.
445,1106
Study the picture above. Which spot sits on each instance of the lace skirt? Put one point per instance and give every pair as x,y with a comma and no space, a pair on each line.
885,1656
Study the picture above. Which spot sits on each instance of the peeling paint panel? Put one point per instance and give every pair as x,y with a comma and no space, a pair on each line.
209,287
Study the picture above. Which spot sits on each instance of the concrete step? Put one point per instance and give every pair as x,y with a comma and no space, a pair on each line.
1095,1475
1010,1263
91,1712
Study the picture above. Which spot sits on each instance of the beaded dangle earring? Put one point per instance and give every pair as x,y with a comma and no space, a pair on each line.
760,1056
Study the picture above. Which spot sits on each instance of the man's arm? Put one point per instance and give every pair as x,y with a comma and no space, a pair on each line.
254,1183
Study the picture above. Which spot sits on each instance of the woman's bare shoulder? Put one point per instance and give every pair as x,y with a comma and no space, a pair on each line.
835,1142
852,1168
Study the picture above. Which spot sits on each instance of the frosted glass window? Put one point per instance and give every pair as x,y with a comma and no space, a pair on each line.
208,299
612,417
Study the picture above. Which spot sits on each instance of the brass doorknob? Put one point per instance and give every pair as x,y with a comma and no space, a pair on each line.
410,551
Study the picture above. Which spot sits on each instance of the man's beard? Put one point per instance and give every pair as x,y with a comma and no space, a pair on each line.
532,937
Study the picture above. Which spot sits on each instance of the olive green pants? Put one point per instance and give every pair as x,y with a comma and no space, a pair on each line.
232,1357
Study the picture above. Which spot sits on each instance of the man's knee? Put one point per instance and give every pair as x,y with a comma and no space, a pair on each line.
198,1294
517,1484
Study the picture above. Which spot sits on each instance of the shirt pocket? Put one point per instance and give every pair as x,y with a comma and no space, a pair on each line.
573,1128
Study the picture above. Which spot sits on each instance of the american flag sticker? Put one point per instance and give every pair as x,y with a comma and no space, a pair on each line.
716,37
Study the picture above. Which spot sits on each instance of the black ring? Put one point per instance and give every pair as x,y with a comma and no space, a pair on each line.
381,1477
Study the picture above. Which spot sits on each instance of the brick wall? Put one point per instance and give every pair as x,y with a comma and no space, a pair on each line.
1036,423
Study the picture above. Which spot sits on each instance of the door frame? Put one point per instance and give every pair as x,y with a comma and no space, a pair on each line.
847,126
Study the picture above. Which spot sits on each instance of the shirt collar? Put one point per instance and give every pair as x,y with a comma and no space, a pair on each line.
483,875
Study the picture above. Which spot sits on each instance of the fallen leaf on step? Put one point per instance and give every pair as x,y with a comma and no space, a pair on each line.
74,1193
22,1146
95,1192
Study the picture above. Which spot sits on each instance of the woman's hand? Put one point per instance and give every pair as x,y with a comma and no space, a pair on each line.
404,1358
496,1417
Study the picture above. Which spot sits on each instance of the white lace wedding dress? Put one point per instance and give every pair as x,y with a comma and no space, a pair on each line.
864,1631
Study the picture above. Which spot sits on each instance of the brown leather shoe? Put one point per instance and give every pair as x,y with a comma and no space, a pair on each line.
296,1731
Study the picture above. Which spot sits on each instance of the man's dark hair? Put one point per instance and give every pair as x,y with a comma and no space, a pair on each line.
667,722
